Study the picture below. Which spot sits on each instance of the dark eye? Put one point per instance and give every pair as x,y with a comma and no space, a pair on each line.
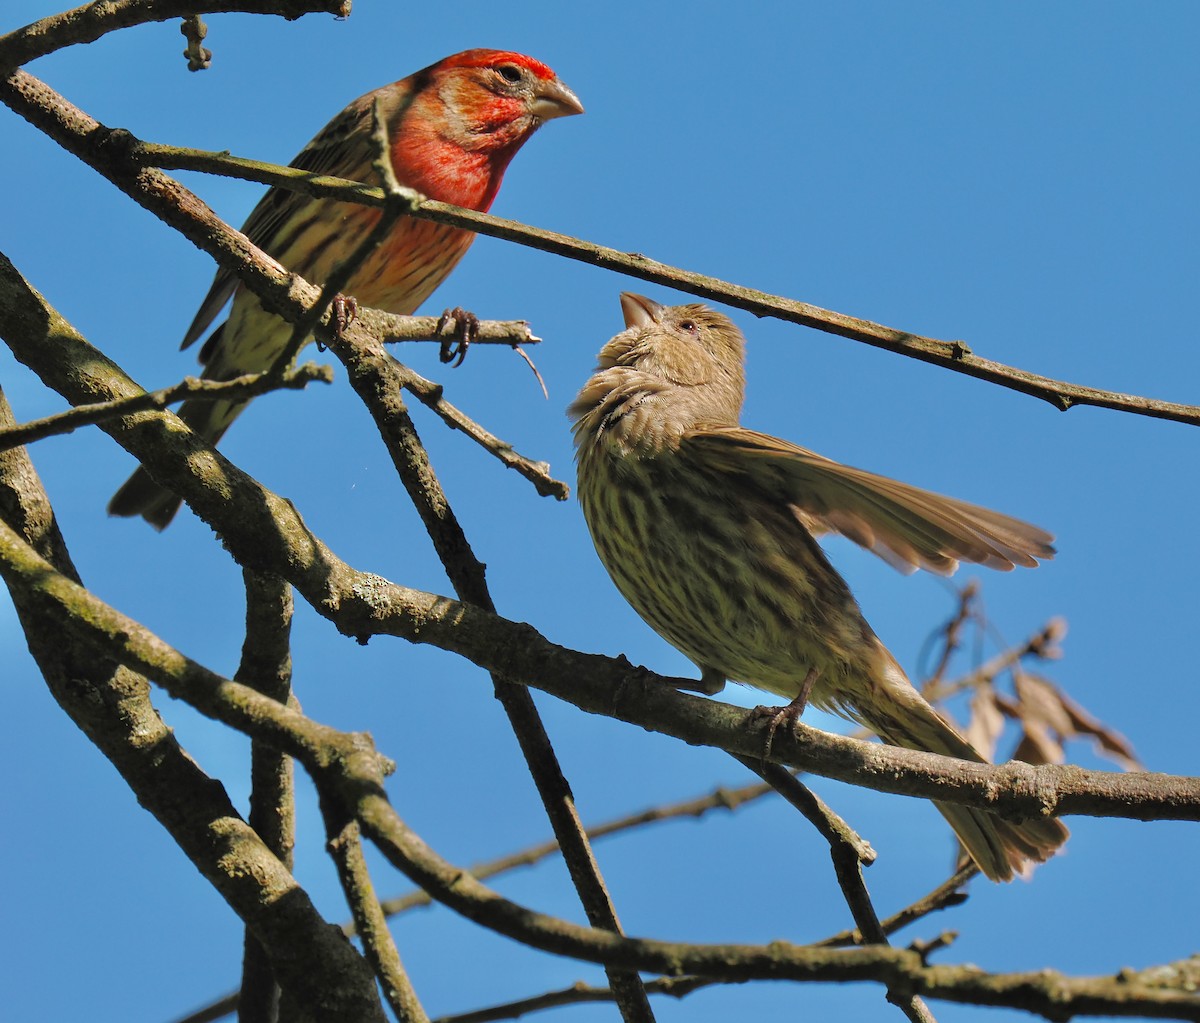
509,73
688,326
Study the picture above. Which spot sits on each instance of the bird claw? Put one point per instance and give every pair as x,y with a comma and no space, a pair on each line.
465,329
345,312
787,715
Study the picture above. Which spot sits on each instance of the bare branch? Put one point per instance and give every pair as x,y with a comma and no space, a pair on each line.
267,667
389,327
849,854
348,766
430,395
249,385
264,531
111,705
88,23
374,376
948,893
346,847
952,355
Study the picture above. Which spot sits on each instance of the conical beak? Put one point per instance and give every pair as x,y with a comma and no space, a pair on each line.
554,99
640,311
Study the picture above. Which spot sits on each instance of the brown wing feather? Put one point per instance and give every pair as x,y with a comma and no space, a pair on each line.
340,149
908,527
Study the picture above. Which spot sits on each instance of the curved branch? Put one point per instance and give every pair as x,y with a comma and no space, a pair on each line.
88,23
348,766
111,705
376,378
265,531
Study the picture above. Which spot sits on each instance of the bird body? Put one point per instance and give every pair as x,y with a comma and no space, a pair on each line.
452,128
708,530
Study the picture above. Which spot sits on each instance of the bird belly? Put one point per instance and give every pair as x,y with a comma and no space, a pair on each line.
734,583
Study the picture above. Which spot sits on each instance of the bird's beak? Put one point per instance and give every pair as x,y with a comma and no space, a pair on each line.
553,99
639,311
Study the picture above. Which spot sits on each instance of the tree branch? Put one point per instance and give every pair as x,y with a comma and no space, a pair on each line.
849,854
266,666
430,395
345,845
111,705
264,531
375,378
951,355
348,766
88,23
249,385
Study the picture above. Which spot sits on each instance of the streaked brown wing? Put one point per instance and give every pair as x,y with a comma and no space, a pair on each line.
341,149
908,527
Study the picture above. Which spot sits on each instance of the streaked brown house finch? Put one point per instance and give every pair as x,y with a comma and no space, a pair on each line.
453,128
707,529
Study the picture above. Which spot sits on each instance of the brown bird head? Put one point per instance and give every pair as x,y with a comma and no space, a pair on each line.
673,369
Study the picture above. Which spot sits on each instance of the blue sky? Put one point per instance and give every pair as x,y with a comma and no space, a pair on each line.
1019,176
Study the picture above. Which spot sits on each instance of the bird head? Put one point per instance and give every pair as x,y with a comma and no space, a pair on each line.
684,364
686,345
495,99
456,124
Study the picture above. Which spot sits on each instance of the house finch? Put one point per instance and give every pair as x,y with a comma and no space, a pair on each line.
453,129
708,528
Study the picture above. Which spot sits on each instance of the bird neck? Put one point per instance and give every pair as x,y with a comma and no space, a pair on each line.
443,170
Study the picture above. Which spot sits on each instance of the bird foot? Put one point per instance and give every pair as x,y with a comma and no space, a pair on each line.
345,312
462,333
787,715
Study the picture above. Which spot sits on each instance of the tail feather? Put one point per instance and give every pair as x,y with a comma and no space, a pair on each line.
141,495
1002,849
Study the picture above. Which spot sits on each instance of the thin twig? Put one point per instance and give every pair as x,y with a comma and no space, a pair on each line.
719,799
849,853
266,666
430,394
391,327
949,633
376,379
193,388
1042,644
948,893
952,355
88,23
345,846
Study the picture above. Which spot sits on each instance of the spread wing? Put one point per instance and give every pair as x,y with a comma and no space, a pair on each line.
908,527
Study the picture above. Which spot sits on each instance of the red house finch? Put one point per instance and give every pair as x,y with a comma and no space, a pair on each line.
707,529
453,127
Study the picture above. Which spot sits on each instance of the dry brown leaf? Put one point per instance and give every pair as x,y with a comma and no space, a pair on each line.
1040,701
986,723
1049,717
1038,746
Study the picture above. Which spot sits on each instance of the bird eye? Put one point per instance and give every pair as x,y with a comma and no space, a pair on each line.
688,325
509,73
